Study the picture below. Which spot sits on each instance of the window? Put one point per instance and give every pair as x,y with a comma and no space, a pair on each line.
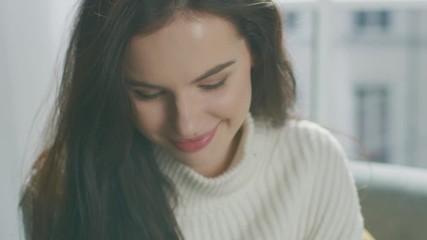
364,20
372,108
291,21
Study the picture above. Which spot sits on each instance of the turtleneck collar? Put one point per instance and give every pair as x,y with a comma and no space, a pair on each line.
192,185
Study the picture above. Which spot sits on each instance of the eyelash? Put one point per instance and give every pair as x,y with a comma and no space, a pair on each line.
144,97
210,87
215,86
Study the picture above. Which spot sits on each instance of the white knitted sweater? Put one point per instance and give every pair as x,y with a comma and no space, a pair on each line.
291,183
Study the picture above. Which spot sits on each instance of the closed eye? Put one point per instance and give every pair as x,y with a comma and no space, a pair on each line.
218,85
147,97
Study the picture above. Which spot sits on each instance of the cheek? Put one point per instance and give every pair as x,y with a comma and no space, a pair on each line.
240,97
235,100
241,92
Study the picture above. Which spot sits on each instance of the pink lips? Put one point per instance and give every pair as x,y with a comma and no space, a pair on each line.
195,144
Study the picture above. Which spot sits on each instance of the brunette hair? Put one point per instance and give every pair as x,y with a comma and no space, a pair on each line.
98,179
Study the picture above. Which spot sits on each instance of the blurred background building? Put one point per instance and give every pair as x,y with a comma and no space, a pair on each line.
361,67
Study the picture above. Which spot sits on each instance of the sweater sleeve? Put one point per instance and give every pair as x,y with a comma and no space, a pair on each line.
334,199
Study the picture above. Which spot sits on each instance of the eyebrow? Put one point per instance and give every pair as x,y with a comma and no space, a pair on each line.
218,68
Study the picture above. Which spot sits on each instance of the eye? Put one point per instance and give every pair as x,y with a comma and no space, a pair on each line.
218,85
147,97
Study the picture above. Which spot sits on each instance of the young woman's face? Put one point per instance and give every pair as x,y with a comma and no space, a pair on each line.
190,82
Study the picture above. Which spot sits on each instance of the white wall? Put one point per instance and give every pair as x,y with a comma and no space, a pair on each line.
30,37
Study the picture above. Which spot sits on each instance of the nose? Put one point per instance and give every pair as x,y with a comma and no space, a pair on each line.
184,116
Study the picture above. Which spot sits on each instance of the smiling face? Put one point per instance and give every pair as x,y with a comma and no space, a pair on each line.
190,82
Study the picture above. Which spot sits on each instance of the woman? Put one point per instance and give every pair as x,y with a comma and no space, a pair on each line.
172,123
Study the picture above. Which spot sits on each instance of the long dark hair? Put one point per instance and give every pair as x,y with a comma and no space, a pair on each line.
97,179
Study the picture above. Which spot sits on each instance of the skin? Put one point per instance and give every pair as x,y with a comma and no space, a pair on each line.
176,100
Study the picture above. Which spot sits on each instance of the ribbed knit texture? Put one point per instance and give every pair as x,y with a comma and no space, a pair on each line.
290,183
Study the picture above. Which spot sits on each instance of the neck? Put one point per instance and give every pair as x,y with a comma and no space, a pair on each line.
230,159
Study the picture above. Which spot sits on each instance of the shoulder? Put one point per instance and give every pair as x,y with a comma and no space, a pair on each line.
311,137
314,165
301,148
302,138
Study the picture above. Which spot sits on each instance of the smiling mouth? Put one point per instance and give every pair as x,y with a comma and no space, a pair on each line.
195,144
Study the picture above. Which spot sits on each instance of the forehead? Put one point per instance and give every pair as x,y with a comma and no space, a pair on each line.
184,48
